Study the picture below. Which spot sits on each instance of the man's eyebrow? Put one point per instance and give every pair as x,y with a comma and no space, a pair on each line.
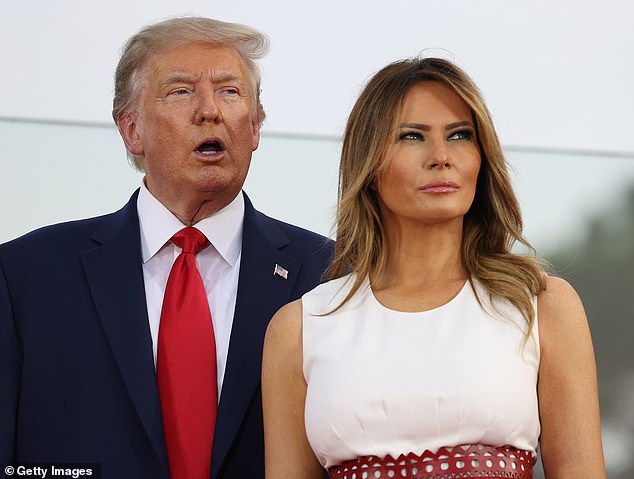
423,127
179,78
221,77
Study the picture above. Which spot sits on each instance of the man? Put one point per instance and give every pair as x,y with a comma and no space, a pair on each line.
99,362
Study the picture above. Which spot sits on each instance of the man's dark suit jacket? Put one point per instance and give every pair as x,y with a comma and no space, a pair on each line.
77,376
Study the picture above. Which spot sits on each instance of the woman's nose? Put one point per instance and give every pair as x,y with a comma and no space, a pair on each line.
439,156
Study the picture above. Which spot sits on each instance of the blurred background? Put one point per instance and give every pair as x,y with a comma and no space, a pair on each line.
557,77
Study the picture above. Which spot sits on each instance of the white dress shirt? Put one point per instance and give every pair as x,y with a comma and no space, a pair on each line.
218,264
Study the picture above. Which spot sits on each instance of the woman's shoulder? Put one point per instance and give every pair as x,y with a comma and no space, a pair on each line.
332,285
558,296
286,322
560,311
328,295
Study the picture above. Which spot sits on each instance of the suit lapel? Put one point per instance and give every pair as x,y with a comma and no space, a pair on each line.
260,295
115,277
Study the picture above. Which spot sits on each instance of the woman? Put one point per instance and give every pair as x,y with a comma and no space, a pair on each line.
435,351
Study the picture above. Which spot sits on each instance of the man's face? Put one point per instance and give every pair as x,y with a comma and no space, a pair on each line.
195,125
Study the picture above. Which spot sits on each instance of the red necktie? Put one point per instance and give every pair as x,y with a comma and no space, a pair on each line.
186,364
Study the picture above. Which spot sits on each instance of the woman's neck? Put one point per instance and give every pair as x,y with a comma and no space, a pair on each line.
422,255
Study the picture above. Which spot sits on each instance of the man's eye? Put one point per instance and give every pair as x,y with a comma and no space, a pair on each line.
231,91
461,135
179,91
411,135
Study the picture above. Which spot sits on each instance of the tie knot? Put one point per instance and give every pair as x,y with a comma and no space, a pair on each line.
189,239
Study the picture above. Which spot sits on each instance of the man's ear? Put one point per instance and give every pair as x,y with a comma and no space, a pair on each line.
127,125
256,134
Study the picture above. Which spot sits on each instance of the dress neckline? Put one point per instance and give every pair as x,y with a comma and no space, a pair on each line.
463,289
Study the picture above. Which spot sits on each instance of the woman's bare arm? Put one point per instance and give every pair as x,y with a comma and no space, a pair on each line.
570,441
286,448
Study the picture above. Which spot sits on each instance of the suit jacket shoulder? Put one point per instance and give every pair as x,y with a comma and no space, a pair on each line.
313,250
71,236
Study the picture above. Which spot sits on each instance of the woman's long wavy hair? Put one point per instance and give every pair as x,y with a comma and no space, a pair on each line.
493,223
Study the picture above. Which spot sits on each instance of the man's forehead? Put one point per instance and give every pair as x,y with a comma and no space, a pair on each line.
193,61
192,54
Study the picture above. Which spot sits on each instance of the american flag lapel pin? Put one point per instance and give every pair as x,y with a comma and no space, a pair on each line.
279,271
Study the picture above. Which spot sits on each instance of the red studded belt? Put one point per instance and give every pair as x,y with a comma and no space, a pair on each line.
484,462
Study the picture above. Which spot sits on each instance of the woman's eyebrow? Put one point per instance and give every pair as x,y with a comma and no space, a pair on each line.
423,127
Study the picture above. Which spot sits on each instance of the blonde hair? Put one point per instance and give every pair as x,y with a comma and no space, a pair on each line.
250,44
492,225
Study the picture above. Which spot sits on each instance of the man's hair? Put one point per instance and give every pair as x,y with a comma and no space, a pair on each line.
491,226
130,74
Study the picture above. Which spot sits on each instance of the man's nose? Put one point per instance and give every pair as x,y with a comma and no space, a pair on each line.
207,109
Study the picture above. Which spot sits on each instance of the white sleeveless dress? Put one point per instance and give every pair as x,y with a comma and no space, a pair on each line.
386,382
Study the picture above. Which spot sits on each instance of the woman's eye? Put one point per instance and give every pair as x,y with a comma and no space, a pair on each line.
461,135
411,135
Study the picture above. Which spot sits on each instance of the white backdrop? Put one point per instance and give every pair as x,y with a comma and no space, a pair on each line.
557,76
556,73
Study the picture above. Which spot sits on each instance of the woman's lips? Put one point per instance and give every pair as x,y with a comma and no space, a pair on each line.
440,187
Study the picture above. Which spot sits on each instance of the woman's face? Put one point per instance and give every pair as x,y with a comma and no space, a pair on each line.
429,172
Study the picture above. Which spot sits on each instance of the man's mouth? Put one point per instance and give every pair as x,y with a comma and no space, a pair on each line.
210,148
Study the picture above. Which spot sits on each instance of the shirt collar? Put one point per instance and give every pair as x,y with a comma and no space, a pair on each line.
223,229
